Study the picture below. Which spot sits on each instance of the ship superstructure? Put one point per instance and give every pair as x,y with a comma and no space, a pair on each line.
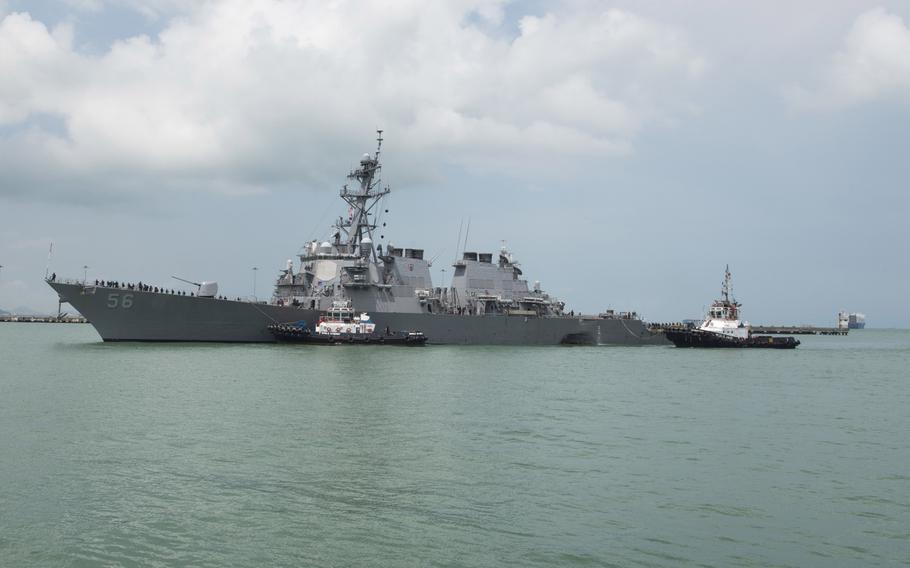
723,315
347,265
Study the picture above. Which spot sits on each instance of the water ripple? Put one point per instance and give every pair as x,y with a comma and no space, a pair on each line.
178,455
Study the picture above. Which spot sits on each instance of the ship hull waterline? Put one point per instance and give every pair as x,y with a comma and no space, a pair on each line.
151,316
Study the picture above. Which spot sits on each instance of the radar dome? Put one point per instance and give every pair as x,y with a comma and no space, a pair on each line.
366,245
325,248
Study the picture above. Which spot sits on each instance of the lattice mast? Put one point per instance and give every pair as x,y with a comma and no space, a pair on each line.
363,200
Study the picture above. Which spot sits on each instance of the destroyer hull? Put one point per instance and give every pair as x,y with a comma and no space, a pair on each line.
129,315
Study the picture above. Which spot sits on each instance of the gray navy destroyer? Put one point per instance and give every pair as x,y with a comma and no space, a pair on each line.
488,301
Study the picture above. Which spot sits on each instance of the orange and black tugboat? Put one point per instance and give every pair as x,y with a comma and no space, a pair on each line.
723,328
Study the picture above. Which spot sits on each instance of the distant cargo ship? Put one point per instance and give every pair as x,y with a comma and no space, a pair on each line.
851,321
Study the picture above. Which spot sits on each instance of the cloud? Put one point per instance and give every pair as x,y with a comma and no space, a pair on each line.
239,96
872,65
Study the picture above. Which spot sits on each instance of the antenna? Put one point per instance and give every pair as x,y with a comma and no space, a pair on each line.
378,142
466,233
47,267
432,260
458,242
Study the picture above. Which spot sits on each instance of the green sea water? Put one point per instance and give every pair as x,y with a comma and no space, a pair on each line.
269,455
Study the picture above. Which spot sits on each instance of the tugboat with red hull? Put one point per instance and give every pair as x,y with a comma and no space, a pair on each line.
723,328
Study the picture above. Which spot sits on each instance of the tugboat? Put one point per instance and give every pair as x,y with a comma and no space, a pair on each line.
340,325
723,328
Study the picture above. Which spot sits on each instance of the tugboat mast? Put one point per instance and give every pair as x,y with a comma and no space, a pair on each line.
729,307
725,291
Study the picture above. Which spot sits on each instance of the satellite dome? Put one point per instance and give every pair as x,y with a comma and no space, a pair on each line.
325,248
366,245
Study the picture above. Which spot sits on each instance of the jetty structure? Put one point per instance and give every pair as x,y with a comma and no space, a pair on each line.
798,330
487,302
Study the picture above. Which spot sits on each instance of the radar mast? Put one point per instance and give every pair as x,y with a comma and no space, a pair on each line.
362,201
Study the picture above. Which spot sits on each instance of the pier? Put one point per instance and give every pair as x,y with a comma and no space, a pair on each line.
798,330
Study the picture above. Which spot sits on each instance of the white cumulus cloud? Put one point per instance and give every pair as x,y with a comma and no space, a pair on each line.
873,64
242,95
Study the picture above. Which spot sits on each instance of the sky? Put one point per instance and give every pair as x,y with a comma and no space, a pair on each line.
625,151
